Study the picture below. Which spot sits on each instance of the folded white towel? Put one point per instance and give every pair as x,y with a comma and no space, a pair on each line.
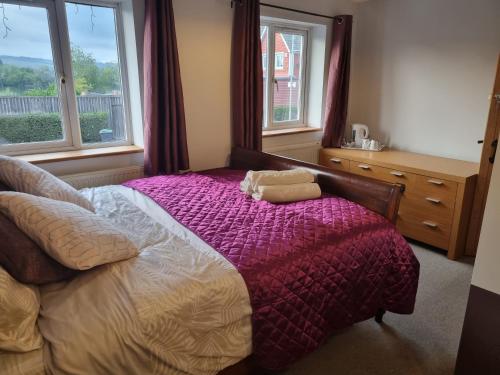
254,179
287,193
246,186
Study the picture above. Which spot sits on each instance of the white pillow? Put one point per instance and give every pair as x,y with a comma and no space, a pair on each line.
19,306
75,237
24,177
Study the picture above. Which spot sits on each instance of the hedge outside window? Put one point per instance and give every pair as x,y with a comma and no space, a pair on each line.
40,127
68,90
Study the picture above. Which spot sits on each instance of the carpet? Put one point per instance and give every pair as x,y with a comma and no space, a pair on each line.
425,342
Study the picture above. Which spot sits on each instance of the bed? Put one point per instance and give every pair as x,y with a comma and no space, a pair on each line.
218,273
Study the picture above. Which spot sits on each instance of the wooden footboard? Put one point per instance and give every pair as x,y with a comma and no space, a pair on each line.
378,196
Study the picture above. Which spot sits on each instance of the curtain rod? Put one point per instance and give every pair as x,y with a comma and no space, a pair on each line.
296,10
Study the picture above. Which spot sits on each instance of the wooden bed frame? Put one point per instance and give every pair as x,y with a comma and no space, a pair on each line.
378,196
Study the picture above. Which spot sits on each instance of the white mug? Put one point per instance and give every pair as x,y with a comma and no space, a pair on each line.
374,145
365,145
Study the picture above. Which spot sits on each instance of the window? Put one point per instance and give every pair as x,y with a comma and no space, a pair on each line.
279,62
62,76
284,76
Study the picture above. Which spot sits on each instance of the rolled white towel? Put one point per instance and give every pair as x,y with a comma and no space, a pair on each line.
287,193
246,186
254,179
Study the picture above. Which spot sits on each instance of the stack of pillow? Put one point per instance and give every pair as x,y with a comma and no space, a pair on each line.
49,233
281,186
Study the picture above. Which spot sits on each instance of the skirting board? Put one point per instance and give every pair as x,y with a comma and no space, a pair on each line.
308,152
104,177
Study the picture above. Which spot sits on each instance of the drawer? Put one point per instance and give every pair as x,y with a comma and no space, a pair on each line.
430,204
385,174
365,169
443,190
424,210
334,162
431,230
396,176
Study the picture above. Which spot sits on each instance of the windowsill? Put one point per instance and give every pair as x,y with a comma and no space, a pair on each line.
80,154
274,133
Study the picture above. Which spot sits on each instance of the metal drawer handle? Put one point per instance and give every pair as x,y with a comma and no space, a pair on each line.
397,174
430,224
435,182
336,161
433,200
364,166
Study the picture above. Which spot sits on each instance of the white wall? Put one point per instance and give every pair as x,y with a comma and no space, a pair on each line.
204,43
487,267
422,72
204,31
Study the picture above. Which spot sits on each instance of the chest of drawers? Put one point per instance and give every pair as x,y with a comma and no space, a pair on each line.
435,207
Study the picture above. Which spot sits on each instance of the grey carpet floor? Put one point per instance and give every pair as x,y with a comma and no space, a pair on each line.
425,342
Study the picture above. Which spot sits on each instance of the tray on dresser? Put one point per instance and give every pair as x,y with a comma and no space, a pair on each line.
345,147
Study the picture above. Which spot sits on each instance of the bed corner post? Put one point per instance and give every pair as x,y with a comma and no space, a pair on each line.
379,316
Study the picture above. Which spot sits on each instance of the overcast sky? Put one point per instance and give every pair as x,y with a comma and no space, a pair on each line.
29,36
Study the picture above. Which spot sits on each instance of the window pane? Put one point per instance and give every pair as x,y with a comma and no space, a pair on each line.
264,31
29,94
279,61
289,60
96,72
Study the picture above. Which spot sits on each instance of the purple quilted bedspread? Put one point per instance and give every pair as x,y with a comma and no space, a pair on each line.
311,267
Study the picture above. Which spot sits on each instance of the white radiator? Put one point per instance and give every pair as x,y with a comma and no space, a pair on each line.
308,152
104,177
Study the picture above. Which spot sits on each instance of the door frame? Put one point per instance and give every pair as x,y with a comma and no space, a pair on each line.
486,167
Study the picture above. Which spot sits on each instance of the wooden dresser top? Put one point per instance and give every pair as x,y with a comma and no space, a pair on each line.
445,168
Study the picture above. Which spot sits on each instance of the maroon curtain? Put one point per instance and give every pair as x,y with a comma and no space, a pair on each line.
246,76
338,82
165,144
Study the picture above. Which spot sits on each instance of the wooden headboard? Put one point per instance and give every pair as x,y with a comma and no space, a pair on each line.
378,196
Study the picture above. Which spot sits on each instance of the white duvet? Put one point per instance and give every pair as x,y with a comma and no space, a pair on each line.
177,308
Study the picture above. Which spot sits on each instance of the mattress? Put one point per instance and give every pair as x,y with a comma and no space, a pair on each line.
311,267
181,306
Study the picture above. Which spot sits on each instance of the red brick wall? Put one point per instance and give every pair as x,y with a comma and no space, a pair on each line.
282,93
280,47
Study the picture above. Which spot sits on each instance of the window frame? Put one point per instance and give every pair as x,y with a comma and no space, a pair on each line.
282,27
61,51
276,55
53,29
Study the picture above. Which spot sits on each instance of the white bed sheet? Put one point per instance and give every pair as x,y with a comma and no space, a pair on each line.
177,308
